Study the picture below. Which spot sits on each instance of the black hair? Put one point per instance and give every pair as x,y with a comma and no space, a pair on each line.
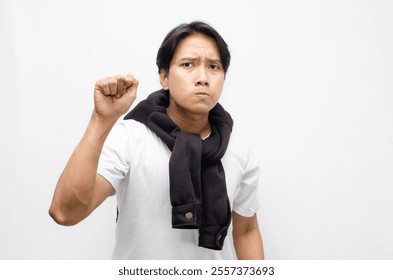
167,50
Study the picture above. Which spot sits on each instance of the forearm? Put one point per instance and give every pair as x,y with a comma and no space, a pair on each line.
75,188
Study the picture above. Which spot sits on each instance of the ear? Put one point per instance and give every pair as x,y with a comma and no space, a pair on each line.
163,79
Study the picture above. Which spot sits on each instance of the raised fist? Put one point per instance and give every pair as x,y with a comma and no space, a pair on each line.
113,96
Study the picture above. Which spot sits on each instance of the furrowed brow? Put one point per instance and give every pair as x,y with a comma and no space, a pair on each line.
188,59
192,59
215,61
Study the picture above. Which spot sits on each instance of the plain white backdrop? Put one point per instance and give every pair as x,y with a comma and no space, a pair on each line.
311,82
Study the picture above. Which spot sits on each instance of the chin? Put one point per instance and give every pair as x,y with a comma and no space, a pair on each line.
202,111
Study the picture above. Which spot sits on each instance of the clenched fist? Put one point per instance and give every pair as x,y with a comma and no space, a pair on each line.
113,96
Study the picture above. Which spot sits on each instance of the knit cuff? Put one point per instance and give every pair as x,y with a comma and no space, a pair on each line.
186,216
212,237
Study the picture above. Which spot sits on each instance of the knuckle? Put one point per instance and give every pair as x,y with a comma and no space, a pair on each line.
112,81
98,83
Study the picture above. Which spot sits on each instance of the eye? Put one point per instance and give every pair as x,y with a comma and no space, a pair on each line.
187,65
214,67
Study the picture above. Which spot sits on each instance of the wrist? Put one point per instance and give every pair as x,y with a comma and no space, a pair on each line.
102,122
99,127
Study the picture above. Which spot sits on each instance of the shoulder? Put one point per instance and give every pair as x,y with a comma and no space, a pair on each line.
130,126
125,135
239,142
240,152
131,130
139,137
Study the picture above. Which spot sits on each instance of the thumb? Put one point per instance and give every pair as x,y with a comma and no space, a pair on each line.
130,81
131,86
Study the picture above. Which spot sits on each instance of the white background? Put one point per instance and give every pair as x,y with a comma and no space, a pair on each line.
310,81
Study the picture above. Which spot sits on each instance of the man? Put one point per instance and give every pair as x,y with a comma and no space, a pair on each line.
181,174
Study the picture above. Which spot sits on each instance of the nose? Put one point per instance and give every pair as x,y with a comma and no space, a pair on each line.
202,77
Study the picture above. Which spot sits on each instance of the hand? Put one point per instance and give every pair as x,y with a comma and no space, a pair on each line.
113,96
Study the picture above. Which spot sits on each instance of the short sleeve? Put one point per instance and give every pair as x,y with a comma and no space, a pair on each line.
114,163
247,202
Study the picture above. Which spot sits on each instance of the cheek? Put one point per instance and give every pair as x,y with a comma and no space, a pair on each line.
176,83
219,87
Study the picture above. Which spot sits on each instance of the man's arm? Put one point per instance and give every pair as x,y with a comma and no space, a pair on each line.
247,237
80,189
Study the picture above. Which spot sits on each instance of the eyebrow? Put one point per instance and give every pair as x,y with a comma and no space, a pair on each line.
196,58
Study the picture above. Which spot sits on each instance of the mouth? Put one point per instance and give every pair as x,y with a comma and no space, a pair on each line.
202,93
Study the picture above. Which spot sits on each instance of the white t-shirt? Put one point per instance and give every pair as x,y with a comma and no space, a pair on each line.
136,162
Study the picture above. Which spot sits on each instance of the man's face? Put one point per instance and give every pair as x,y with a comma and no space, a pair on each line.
196,77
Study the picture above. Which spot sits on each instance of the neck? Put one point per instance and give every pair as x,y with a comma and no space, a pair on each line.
190,123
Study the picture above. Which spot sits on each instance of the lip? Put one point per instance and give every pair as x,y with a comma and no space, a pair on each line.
202,93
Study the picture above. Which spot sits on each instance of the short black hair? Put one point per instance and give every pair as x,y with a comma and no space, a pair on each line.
167,50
